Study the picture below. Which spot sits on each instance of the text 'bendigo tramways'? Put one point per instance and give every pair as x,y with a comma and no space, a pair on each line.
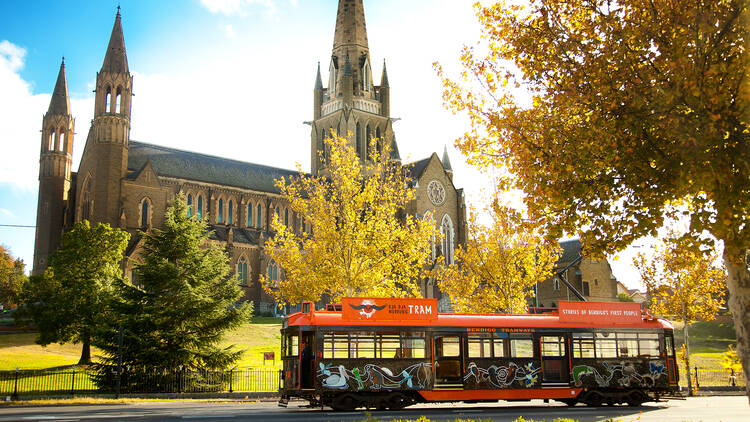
388,309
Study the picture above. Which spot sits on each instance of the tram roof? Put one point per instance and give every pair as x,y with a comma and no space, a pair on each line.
548,320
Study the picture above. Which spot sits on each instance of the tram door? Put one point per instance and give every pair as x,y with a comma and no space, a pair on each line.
554,352
307,360
290,355
447,364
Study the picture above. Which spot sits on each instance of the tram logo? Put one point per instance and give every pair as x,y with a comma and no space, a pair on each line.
368,308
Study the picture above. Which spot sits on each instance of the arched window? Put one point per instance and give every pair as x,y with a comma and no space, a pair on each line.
189,205
221,211
145,213
359,140
250,215
118,97
200,207
286,217
555,285
107,101
332,79
273,272
62,141
278,213
368,139
259,215
51,143
242,271
379,141
229,214
446,229
86,206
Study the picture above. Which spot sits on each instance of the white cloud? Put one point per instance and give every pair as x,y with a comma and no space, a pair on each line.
19,164
229,30
7,213
237,7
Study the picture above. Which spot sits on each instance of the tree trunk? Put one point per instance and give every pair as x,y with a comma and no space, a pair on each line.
86,348
687,352
738,282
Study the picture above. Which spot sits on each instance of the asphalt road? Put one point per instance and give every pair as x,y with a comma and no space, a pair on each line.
724,408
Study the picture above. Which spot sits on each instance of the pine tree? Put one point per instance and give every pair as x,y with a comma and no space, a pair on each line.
183,301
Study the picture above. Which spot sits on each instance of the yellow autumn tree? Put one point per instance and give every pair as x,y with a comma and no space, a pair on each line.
684,284
607,113
497,269
356,239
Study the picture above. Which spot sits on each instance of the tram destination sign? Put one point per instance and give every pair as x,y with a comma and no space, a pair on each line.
388,309
604,312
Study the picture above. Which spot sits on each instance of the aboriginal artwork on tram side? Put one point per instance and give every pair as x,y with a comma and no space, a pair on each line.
502,376
374,377
622,374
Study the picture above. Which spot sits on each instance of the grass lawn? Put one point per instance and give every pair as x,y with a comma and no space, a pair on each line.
255,338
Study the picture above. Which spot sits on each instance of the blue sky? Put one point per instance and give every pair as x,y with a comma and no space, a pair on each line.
232,78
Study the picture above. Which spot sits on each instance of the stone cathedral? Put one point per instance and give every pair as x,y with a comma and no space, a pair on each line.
128,183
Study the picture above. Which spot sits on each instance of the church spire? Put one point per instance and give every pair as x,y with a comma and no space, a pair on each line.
384,78
116,60
60,102
351,29
318,80
446,161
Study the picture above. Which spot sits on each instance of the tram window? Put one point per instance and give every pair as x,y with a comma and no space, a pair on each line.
412,345
670,345
447,347
292,345
606,345
499,347
480,346
583,345
627,344
335,346
362,345
388,346
648,344
553,346
521,346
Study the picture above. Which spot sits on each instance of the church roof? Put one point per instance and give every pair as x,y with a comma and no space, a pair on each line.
446,160
60,102
116,60
239,235
170,162
415,169
571,250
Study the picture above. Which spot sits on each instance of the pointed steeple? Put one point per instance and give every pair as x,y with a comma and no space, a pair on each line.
351,29
384,78
446,161
318,80
116,60
60,103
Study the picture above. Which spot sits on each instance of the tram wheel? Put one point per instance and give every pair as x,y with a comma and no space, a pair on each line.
398,401
594,399
344,403
635,399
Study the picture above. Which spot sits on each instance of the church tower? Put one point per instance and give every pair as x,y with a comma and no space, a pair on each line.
352,105
54,173
106,155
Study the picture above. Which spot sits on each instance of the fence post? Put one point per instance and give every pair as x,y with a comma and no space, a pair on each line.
231,378
697,383
73,383
15,387
732,377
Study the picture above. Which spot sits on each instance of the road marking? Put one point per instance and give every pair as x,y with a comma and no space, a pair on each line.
208,417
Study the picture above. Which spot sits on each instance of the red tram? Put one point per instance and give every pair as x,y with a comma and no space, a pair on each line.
391,353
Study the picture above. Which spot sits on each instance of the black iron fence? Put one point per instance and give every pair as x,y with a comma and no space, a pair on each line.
702,377
73,382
